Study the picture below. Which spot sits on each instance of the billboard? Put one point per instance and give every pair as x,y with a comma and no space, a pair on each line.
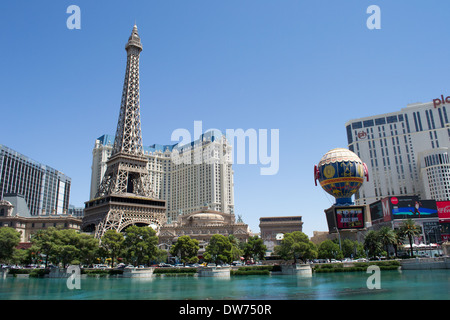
405,207
445,232
376,211
331,220
443,208
380,211
351,217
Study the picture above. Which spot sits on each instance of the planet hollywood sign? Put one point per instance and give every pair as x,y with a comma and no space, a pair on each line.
437,102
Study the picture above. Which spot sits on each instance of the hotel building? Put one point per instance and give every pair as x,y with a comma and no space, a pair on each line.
14,213
406,152
45,190
186,185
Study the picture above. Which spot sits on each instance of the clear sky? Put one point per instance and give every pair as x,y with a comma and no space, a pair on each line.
302,67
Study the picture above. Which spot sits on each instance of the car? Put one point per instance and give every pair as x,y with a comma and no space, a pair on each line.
165,265
362,260
334,261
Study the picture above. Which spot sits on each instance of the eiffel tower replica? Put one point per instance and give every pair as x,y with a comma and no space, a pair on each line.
125,195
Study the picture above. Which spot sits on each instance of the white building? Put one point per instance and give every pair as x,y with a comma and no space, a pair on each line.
202,174
406,152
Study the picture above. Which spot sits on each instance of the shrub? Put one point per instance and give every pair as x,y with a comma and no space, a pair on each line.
39,273
356,266
249,272
174,270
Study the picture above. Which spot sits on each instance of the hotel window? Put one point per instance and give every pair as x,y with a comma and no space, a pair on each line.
391,119
357,125
380,121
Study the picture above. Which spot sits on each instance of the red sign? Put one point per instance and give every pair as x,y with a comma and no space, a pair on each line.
438,101
394,200
362,135
443,208
350,217
386,209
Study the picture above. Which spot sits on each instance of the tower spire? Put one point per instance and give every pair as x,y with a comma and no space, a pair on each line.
126,171
128,138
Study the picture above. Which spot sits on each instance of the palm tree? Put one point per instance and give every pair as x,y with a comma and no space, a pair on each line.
399,239
387,237
410,229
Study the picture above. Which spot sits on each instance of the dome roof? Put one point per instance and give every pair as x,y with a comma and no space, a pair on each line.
207,216
203,218
339,155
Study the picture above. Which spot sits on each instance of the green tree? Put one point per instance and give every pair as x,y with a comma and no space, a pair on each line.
88,246
254,248
185,248
352,249
9,239
410,229
63,246
112,244
399,239
372,244
44,242
329,249
67,246
387,237
219,249
161,256
140,244
236,247
296,245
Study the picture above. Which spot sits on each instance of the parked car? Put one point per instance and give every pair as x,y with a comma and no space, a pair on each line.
165,265
334,261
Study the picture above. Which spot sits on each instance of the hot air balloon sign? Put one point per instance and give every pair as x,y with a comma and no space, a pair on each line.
341,173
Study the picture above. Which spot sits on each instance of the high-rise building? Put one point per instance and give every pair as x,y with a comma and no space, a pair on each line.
186,186
125,195
406,152
45,190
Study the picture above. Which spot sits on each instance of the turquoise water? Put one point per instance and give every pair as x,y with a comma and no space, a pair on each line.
408,284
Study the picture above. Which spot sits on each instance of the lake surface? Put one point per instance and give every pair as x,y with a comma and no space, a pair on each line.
405,285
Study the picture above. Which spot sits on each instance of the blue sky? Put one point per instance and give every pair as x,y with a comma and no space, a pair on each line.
303,67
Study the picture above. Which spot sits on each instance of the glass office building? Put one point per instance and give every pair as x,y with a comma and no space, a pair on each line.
46,190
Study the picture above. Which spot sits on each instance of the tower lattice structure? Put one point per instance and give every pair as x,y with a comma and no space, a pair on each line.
125,195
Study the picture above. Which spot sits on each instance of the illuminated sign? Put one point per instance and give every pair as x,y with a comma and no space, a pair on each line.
412,207
443,208
350,217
